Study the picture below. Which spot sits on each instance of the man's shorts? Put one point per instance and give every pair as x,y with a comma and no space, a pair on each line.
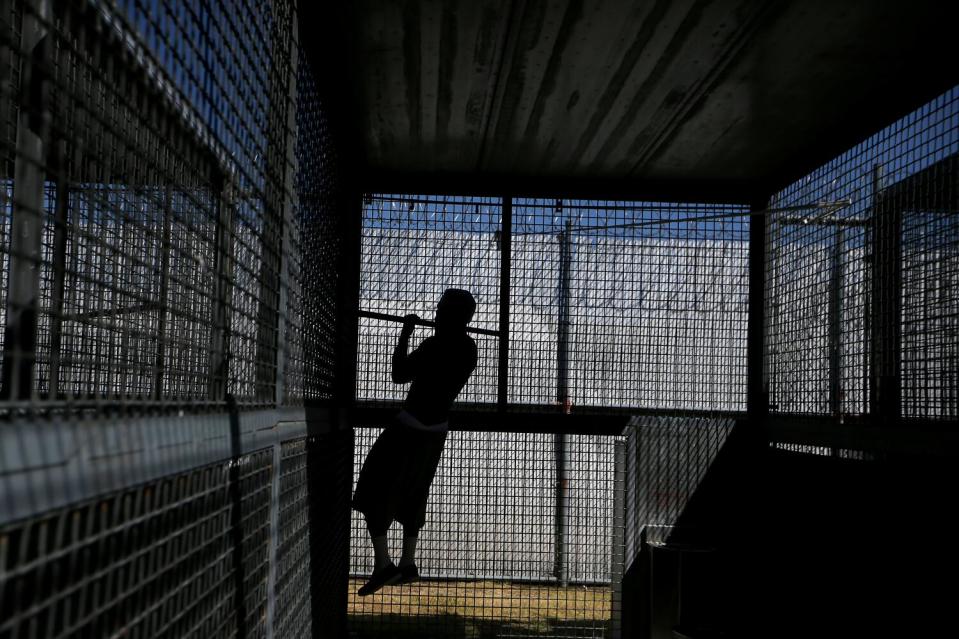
394,483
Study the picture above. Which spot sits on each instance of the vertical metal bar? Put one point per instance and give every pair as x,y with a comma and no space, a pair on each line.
223,268
164,293
757,386
885,403
562,396
835,320
274,542
868,257
561,508
60,238
268,312
286,220
26,227
617,544
506,259
562,327
349,227
236,465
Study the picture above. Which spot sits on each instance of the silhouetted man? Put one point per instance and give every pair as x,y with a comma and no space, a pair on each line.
394,483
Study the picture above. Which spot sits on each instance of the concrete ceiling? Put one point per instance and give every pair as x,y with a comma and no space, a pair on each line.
708,97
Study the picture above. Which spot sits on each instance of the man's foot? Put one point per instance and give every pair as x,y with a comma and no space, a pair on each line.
407,574
386,576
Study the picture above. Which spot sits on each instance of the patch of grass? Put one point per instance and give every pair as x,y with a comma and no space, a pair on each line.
479,609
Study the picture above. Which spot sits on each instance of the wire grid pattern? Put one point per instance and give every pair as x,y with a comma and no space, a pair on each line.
667,458
413,249
142,238
490,551
315,251
930,288
636,305
150,226
861,276
628,304
293,618
155,560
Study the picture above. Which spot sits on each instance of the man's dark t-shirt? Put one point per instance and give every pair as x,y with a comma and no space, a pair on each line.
439,369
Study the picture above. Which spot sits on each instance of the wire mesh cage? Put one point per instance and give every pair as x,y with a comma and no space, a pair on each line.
148,219
169,267
173,247
413,249
603,305
497,558
611,304
636,304
861,297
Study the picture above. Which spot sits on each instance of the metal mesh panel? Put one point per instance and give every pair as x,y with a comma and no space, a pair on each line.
238,77
929,200
629,304
148,179
667,460
315,251
861,276
293,550
159,189
496,556
612,304
255,479
152,561
413,249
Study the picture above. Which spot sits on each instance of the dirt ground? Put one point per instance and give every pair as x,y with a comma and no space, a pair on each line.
479,610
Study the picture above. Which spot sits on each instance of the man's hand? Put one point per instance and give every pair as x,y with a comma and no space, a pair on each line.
409,323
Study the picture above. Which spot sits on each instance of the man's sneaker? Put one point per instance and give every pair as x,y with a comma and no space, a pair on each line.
408,573
386,576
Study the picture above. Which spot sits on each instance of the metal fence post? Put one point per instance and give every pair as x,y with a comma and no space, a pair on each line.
562,396
617,546
885,238
165,248
220,338
506,258
290,169
757,385
60,240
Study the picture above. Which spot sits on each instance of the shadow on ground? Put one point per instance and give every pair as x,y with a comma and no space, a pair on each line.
402,626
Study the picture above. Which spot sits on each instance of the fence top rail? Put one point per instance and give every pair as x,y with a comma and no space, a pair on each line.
522,418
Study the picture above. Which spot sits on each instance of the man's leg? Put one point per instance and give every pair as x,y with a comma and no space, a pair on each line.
409,546
381,551
384,572
407,569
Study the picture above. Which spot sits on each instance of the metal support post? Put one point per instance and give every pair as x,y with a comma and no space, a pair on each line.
165,248
61,220
617,546
506,256
223,269
835,321
286,248
885,396
757,384
562,396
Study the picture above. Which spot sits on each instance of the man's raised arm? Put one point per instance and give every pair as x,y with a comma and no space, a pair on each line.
402,362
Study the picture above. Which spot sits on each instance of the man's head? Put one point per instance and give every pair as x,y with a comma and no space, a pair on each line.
455,308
